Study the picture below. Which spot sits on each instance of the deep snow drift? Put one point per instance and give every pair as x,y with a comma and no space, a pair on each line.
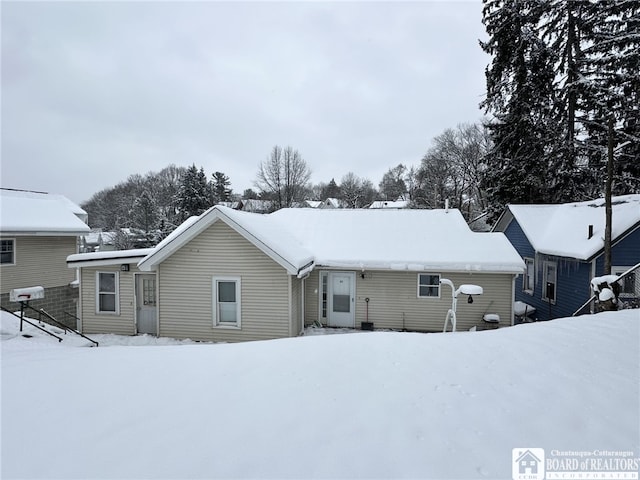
374,404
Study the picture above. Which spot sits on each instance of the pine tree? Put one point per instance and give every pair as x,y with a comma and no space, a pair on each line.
614,81
520,95
193,196
566,26
220,188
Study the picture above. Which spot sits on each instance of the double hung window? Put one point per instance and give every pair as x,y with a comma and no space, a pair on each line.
428,285
107,292
226,299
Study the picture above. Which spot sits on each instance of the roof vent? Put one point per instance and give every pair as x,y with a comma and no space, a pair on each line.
590,231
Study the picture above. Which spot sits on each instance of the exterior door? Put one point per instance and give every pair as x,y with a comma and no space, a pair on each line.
341,299
146,304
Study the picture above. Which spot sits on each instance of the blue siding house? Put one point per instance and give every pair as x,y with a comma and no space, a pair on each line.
563,249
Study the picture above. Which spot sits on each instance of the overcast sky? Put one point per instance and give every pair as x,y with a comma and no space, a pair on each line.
95,92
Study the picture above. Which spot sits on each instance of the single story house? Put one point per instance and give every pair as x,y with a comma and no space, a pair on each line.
229,275
563,249
38,231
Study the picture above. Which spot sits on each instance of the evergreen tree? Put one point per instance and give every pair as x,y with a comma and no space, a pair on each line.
220,190
614,82
520,95
193,196
331,190
566,27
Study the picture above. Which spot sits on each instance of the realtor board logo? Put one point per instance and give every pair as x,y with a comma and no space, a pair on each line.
528,463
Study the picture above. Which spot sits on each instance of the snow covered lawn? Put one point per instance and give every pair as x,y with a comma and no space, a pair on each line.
371,405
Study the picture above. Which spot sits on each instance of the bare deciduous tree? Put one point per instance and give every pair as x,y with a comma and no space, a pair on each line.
356,192
283,177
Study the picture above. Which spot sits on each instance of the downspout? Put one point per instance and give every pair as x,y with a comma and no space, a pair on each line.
290,308
79,306
513,297
303,307
593,275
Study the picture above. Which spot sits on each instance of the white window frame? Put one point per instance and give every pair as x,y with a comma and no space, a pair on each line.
529,288
216,322
323,295
13,252
617,270
545,266
437,285
116,293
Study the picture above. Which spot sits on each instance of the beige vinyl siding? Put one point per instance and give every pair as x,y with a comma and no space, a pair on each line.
39,261
394,302
186,290
311,298
92,322
296,306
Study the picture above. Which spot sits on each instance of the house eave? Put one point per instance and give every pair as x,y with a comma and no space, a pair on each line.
44,233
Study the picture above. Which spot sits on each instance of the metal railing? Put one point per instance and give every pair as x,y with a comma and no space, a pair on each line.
22,319
627,291
51,319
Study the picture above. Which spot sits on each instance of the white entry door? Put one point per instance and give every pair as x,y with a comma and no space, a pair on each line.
146,305
342,302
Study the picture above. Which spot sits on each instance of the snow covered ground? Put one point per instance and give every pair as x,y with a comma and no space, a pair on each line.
369,405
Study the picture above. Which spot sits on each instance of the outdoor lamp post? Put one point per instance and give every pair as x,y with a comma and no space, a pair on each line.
464,289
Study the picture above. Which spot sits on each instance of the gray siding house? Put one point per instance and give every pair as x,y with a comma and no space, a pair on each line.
38,231
233,276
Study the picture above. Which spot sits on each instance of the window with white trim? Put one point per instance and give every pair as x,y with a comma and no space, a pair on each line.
549,281
428,285
324,294
7,251
226,302
107,292
528,280
630,284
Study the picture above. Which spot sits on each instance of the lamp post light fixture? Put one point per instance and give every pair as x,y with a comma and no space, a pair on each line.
467,289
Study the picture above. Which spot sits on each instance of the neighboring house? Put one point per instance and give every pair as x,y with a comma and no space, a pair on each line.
563,249
232,276
256,206
330,203
235,205
97,241
38,231
312,203
389,204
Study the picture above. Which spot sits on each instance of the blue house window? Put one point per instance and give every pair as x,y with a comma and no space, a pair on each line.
528,281
549,281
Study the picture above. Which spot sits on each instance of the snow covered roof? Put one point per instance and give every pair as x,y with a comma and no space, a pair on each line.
419,240
298,238
258,229
389,204
35,213
330,203
563,230
113,257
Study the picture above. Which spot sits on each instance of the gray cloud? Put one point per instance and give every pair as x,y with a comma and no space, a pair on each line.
94,92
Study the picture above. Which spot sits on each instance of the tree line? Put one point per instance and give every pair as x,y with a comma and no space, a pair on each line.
562,92
155,203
